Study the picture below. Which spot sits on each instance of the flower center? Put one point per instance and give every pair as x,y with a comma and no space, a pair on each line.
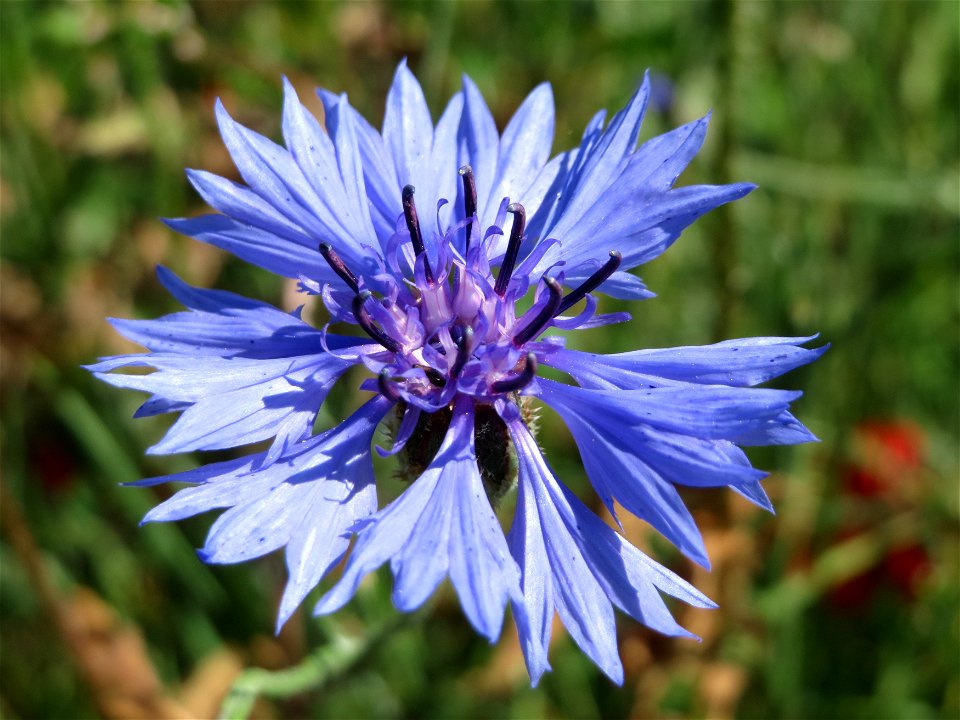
445,323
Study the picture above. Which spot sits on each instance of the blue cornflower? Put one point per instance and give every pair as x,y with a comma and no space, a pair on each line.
399,232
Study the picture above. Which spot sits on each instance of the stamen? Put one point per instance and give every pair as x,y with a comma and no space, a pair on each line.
339,267
386,389
469,199
413,225
546,314
518,381
435,377
513,247
366,322
465,345
592,282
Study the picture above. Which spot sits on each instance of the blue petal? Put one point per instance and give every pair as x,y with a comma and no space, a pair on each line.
310,146
480,148
244,205
755,493
332,168
707,411
618,474
620,285
548,556
408,132
640,225
306,501
255,527
271,252
201,333
608,194
209,491
601,160
234,401
443,160
675,456
539,196
738,363
355,210
630,579
534,623
443,524
784,429
272,173
379,171
560,544
696,462
613,146
562,186
524,150
633,463
227,325
660,160
158,406
343,492
202,298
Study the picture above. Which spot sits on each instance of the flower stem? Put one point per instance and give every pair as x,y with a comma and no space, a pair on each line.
315,671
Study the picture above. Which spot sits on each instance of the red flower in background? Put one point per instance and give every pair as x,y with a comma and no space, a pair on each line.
888,460
887,472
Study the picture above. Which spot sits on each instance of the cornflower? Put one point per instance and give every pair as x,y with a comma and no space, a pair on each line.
426,238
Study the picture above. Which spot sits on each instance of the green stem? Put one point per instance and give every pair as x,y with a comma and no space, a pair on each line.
316,670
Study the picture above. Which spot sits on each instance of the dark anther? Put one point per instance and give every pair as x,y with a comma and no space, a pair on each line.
386,389
435,377
413,225
469,199
546,314
517,381
366,322
513,247
465,347
337,265
592,282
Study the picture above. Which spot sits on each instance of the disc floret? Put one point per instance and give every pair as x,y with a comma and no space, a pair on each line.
449,325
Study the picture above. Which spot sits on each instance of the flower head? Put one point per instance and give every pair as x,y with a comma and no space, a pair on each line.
429,239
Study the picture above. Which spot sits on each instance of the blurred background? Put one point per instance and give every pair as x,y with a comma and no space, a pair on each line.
844,605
